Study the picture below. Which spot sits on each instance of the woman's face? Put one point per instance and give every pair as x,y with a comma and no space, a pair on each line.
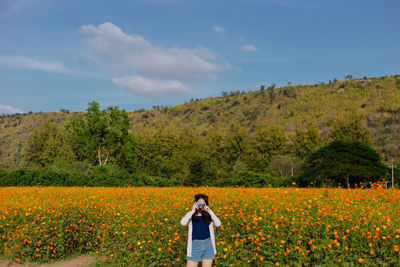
200,201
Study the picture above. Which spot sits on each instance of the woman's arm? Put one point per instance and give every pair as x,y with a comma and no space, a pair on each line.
214,217
185,220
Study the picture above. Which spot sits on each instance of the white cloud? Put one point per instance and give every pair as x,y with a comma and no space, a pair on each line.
218,29
249,48
148,69
5,109
20,62
139,55
152,87
28,63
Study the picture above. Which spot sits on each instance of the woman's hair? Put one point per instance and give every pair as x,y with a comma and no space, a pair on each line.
204,214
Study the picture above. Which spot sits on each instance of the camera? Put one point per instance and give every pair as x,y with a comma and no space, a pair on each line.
201,205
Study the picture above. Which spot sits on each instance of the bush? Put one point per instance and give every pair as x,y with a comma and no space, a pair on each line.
252,179
95,176
112,175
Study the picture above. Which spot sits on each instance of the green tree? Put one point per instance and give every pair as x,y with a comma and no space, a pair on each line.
350,129
272,93
304,142
102,136
237,143
216,144
267,142
197,169
46,143
285,165
345,163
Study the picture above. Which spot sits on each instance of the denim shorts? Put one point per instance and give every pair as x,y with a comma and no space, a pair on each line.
202,249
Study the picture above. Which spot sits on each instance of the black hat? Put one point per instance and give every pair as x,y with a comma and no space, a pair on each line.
203,196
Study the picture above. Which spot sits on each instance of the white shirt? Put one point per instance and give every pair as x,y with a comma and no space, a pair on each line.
187,219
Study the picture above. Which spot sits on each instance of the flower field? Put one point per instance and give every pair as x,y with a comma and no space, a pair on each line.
136,226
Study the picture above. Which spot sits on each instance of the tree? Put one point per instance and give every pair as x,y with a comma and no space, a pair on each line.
285,165
305,142
196,168
102,136
217,146
272,93
345,163
348,77
350,129
46,143
237,145
267,142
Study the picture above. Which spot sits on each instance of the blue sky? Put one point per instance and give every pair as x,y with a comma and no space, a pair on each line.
136,54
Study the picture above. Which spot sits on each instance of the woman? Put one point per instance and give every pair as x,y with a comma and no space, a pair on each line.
201,241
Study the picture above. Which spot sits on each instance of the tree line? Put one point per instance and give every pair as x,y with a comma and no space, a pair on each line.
99,143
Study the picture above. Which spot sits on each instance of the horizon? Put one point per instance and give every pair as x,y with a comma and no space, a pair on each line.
199,99
56,55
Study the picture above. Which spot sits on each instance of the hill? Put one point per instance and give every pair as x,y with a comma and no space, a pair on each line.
376,100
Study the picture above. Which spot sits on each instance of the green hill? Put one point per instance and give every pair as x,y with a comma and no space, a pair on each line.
376,100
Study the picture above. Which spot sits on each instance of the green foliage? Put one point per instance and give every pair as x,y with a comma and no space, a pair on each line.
342,162
284,165
108,175
102,136
237,143
197,169
46,143
305,142
233,133
252,179
267,142
350,129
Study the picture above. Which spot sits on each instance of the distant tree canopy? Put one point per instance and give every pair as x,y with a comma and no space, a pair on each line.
345,163
349,77
266,143
46,143
272,130
305,142
350,129
101,136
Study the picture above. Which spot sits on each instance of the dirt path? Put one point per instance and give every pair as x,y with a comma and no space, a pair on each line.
81,261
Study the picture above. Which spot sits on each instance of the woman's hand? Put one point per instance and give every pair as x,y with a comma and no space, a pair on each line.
206,208
195,206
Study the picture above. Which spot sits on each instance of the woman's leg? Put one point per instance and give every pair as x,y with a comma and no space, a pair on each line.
206,263
192,263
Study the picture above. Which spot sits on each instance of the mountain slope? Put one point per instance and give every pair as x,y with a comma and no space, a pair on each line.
376,100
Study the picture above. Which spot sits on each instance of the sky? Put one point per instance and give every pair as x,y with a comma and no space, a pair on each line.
142,53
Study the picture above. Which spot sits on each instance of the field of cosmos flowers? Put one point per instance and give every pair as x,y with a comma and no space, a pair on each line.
135,226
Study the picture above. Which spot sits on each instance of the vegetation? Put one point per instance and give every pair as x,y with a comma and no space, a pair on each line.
46,143
268,132
344,163
101,136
